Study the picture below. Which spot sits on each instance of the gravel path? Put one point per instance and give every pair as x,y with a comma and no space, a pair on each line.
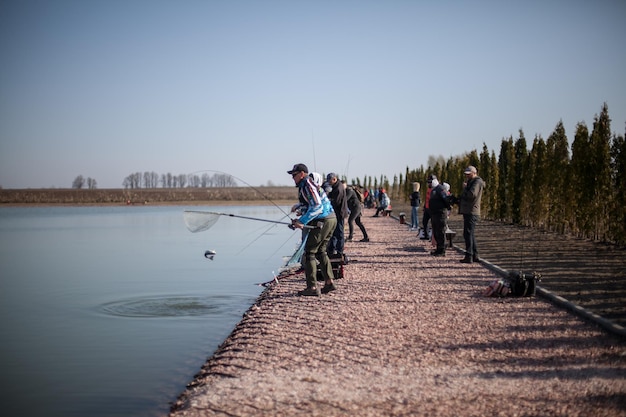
407,334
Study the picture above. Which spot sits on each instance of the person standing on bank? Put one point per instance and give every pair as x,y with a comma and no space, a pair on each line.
426,216
355,206
439,206
415,205
337,196
384,202
319,214
469,207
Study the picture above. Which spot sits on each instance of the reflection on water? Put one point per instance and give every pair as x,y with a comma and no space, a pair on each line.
110,311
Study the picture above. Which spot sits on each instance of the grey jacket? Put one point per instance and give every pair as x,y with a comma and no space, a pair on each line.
470,198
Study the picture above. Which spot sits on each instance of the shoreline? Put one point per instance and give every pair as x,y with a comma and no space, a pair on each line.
156,196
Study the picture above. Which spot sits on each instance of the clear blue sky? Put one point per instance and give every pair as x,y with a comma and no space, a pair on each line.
107,88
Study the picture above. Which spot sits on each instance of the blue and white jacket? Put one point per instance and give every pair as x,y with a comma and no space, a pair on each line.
318,204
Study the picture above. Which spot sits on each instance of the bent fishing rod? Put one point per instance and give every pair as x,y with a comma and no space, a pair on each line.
198,221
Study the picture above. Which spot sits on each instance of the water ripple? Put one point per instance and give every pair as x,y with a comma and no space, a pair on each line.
168,306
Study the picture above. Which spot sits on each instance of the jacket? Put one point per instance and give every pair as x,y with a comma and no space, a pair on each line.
318,204
415,199
354,204
439,200
338,200
469,202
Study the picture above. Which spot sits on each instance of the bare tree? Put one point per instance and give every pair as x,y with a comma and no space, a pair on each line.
78,182
91,183
182,180
206,180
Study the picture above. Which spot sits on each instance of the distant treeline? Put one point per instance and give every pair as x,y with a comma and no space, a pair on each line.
154,180
583,194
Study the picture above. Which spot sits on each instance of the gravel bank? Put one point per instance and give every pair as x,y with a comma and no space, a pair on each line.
407,334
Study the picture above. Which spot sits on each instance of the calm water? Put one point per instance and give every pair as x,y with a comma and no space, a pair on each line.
110,311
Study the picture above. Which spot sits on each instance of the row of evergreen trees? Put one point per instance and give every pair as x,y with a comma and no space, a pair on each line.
582,193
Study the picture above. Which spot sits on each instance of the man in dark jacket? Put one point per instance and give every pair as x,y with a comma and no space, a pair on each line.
469,207
439,206
337,196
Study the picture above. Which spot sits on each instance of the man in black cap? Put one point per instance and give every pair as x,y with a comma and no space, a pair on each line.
469,207
320,215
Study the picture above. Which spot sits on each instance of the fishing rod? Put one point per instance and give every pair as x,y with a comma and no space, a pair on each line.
199,221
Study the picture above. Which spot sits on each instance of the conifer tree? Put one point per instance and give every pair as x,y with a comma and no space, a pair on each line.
581,180
487,173
618,210
506,162
601,164
519,180
537,199
559,186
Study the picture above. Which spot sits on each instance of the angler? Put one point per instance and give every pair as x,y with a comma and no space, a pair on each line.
320,213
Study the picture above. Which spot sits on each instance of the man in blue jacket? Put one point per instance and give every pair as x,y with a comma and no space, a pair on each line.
322,220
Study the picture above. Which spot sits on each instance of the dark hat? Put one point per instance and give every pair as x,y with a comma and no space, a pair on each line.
298,168
431,177
331,176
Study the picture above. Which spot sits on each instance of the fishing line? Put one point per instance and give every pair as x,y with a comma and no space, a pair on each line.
257,238
254,188
283,244
313,145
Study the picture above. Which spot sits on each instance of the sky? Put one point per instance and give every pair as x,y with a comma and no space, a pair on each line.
104,89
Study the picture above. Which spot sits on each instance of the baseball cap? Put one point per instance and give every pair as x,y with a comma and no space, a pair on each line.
331,176
298,168
470,170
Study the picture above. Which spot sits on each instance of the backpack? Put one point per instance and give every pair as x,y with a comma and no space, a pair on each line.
523,284
359,195
516,284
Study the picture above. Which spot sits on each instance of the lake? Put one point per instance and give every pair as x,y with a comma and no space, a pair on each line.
110,311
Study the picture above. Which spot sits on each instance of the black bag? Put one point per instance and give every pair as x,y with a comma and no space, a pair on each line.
523,284
337,262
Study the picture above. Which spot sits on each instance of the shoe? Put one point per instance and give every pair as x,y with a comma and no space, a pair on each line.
476,259
365,239
349,239
438,253
310,292
466,260
375,215
328,288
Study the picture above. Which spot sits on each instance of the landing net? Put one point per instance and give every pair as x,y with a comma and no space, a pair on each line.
199,221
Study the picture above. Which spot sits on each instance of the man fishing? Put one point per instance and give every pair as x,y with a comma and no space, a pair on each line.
320,215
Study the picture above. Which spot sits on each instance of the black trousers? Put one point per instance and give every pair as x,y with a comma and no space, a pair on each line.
425,220
440,222
469,227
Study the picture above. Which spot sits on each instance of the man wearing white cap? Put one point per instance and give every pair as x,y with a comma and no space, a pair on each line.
469,207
